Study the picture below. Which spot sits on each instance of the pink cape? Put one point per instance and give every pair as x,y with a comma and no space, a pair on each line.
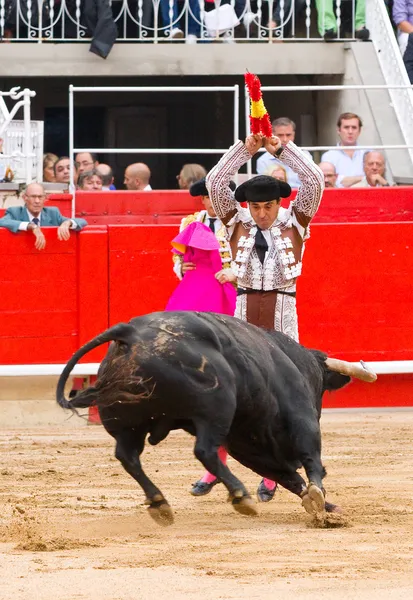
199,290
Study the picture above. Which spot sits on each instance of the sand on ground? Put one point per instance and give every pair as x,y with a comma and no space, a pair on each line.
73,524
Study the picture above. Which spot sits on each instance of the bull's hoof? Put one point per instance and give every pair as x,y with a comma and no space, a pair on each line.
161,513
313,500
245,506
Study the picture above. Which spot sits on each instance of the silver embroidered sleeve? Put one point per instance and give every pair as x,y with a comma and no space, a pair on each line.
312,180
219,177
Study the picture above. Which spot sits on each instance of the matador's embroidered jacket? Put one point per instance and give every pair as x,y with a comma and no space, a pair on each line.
282,264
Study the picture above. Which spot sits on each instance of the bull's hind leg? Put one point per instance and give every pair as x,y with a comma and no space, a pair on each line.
209,437
129,447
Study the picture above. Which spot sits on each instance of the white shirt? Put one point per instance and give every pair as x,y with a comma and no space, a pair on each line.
217,223
24,224
147,188
345,165
267,160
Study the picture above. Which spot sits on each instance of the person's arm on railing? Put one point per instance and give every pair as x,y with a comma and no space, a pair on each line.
349,180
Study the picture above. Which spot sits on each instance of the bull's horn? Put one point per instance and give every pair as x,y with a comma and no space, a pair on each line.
360,371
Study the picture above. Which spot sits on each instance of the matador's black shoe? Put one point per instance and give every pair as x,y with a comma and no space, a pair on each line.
264,494
200,488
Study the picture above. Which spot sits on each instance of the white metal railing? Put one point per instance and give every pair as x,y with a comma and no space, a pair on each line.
234,89
392,66
405,88
22,139
156,20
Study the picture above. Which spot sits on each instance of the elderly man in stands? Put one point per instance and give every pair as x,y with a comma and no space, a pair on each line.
90,181
330,174
348,163
137,177
106,174
85,161
33,216
284,129
374,170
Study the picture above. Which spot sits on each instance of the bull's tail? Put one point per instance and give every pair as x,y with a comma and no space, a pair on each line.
122,332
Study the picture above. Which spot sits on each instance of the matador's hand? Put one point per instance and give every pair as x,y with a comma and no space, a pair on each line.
254,142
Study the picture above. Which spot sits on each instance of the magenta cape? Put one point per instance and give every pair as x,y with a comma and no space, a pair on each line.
199,290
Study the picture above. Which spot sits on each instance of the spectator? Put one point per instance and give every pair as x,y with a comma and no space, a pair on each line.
62,170
137,177
403,19
278,172
106,174
49,161
33,217
408,58
170,19
330,174
374,169
90,181
348,163
327,23
189,174
284,129
85,161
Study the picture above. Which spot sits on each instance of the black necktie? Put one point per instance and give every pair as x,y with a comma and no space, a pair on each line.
35,220
261,245
212,224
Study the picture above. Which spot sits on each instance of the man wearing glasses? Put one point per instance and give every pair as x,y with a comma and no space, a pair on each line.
85,161
33,217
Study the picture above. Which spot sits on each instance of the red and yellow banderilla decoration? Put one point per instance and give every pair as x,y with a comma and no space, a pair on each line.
259,117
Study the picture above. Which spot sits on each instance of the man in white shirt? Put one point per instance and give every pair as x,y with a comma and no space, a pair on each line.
137,177
348,163
284,129
33,216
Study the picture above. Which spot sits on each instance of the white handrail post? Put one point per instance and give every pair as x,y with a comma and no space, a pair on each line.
72,187
27,136
247,125
236,113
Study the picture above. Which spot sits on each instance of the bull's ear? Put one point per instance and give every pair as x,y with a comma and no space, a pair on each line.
335,381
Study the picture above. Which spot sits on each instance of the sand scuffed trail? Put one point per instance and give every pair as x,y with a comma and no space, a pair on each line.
73,524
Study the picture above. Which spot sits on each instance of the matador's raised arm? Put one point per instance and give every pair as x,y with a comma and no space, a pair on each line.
219,177
312,182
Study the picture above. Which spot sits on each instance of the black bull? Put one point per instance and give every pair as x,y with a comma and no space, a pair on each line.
256,392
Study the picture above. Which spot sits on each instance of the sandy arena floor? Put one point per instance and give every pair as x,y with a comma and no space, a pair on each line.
72,523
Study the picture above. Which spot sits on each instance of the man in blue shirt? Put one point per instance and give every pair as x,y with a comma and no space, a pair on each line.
284,129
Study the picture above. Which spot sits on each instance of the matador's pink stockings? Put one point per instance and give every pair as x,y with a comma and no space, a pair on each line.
222,453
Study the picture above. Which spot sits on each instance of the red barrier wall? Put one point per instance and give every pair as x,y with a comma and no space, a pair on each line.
51,301
140,270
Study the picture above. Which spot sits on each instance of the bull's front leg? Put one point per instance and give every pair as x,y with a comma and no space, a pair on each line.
129,447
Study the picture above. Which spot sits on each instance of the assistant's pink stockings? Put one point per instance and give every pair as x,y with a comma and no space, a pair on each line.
223,454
